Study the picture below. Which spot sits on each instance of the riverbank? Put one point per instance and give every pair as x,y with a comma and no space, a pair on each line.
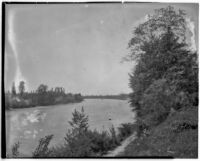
59,104
118,97
34,100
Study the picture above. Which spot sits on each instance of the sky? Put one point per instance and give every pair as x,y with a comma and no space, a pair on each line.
77,46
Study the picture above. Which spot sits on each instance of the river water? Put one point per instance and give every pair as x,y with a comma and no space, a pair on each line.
29,125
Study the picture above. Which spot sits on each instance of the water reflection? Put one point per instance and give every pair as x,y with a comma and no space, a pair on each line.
18,123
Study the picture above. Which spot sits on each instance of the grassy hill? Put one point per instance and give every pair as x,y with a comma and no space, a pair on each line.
176,137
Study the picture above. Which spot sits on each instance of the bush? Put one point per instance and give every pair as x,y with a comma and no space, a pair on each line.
101,142
125,130
156,103
42,149
114,139
185,120
82,142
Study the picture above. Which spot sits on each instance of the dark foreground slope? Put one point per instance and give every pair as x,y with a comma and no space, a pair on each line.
176,137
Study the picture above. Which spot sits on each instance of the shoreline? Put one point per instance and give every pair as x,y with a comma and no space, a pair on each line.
9,109
6,109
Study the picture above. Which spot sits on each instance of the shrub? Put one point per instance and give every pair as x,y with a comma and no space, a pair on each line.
185,120
101,142
82,142
125,130
14,151
42,149
156,103
114,140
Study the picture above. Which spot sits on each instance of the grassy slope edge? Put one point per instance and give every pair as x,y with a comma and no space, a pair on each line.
176,137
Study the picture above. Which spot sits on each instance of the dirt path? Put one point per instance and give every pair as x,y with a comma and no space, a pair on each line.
121,148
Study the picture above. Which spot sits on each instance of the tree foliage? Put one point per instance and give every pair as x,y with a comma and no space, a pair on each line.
166,74
83,142
13,90
21,87
78,142
42,89
42,150
155,27
39,97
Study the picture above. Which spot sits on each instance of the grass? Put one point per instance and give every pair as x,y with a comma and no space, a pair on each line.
176,137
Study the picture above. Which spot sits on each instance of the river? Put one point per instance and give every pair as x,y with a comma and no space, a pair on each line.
30,124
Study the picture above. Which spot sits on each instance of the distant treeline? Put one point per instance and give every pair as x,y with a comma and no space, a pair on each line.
120,96
40,97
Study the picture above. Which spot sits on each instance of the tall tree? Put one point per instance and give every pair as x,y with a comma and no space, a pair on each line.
165,75
13,89
155,27
42,95
21,87
77,139
42,89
